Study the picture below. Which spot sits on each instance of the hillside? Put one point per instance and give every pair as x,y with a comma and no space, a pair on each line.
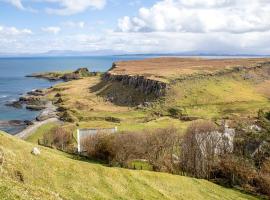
125,96
169,68
55,175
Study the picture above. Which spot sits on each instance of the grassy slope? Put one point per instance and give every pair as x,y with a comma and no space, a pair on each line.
40,132
91,109
219,97
55,175
214,97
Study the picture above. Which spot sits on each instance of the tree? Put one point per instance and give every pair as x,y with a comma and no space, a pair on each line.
161,146
199,149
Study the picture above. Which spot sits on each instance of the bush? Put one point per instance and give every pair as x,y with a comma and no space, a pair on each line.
175,112
162,147
267,115
263,180
120,149
59,138
237,171
199,149
99,146
128,147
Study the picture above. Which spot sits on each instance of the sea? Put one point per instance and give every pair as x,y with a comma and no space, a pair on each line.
14,84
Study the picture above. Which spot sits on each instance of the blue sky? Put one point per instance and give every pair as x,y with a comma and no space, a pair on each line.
138,26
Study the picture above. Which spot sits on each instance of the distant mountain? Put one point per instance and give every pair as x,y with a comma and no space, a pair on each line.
68,53
108,52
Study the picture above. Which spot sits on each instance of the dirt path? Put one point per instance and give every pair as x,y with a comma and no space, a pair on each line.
31,129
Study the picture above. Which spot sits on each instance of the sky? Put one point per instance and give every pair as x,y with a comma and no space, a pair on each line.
135,26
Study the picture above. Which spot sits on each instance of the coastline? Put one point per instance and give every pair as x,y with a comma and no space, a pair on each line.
32,128
36,100
46,116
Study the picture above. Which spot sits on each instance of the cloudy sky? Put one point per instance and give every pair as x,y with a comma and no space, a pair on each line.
138,26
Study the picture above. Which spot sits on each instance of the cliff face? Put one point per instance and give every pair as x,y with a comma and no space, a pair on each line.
145,85
159,88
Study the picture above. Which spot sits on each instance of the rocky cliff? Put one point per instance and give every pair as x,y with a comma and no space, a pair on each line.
150,86
141,83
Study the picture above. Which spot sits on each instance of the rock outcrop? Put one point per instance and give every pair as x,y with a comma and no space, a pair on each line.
141,83
68,76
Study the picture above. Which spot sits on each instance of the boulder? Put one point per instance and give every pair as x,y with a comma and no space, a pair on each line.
36,93
35,107
30,100
14,104
35,151
58,95
28,123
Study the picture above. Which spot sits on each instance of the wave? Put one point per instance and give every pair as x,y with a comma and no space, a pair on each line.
3,96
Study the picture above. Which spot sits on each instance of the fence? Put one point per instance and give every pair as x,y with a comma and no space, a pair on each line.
83,133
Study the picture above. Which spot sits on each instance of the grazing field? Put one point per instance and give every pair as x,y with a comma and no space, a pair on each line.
170,68
56,175
91,108
91,102
218,97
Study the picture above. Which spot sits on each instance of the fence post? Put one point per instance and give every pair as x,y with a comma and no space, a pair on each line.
78,140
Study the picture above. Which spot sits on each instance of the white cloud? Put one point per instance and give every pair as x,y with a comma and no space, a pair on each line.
137,42
72,24
69,7
13,31
234,16
17,3
51,29
63,7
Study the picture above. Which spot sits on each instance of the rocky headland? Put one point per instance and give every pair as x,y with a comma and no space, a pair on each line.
64,76
155,76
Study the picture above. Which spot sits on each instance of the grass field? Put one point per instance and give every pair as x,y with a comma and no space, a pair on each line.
216,97
40,132
56,175
91,110
168,68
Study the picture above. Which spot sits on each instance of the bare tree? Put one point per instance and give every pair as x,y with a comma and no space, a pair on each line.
161,147
199,149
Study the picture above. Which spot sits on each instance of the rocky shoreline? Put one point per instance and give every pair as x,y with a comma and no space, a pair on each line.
34,101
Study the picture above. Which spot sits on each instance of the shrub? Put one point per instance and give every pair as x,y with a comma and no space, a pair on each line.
156,147
58,137
99,146
237,171
127,147
199,149
175,112
162,146
263,180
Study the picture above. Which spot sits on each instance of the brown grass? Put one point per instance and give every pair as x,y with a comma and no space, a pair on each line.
264,88
167,67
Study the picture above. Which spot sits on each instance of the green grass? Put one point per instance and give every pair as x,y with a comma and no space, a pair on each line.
40,132
213,97
56,175
216,97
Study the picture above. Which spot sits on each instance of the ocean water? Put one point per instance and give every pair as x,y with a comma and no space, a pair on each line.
13,82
